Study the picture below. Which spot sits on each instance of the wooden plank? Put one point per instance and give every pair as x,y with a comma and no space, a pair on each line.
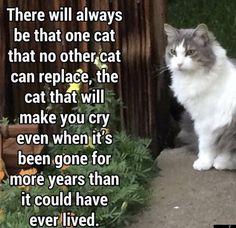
124,65
160,114
3,27
1,146
9,146
83,46
117,67
141,40
13,130
15,91
145,66
10,155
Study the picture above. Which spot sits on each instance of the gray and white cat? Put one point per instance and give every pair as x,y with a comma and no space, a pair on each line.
204,82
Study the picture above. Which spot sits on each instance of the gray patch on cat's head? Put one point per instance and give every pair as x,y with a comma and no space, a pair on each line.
199,39
226,137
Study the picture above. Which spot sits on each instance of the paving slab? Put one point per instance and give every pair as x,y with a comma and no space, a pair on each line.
185,198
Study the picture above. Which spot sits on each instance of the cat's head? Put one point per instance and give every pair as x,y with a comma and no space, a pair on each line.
189,50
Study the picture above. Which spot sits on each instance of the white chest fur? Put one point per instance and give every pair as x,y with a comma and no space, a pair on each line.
210,97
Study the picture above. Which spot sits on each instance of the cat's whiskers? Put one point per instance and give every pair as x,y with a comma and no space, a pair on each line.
163,69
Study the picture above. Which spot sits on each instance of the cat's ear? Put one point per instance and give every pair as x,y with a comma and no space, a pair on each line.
170,31
202,32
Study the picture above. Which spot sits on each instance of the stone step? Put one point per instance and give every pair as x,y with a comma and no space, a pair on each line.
185,198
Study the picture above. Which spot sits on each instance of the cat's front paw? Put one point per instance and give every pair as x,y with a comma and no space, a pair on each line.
201,164
224,161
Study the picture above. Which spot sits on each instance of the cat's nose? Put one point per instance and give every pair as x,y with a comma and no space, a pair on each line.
180,65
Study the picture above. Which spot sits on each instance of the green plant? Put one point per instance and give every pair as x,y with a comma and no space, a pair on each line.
131,160
4,121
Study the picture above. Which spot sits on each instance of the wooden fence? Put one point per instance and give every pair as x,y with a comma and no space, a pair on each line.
140,37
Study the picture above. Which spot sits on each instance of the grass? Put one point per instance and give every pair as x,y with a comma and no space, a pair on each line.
220,16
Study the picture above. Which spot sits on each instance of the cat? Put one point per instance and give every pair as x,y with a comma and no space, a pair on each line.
203,80
186,136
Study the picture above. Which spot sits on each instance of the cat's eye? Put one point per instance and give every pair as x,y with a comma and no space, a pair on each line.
173,52
190,52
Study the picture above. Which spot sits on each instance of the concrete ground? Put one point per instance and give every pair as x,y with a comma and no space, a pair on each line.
185,198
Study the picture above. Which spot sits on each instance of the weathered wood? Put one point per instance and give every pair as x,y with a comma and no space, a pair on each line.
139,37
9,131
160,101
3,45
9,146
10,149
1,146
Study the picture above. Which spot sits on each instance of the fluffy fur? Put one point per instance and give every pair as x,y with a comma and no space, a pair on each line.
204,82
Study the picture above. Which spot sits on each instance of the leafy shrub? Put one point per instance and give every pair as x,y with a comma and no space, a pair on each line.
131,160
